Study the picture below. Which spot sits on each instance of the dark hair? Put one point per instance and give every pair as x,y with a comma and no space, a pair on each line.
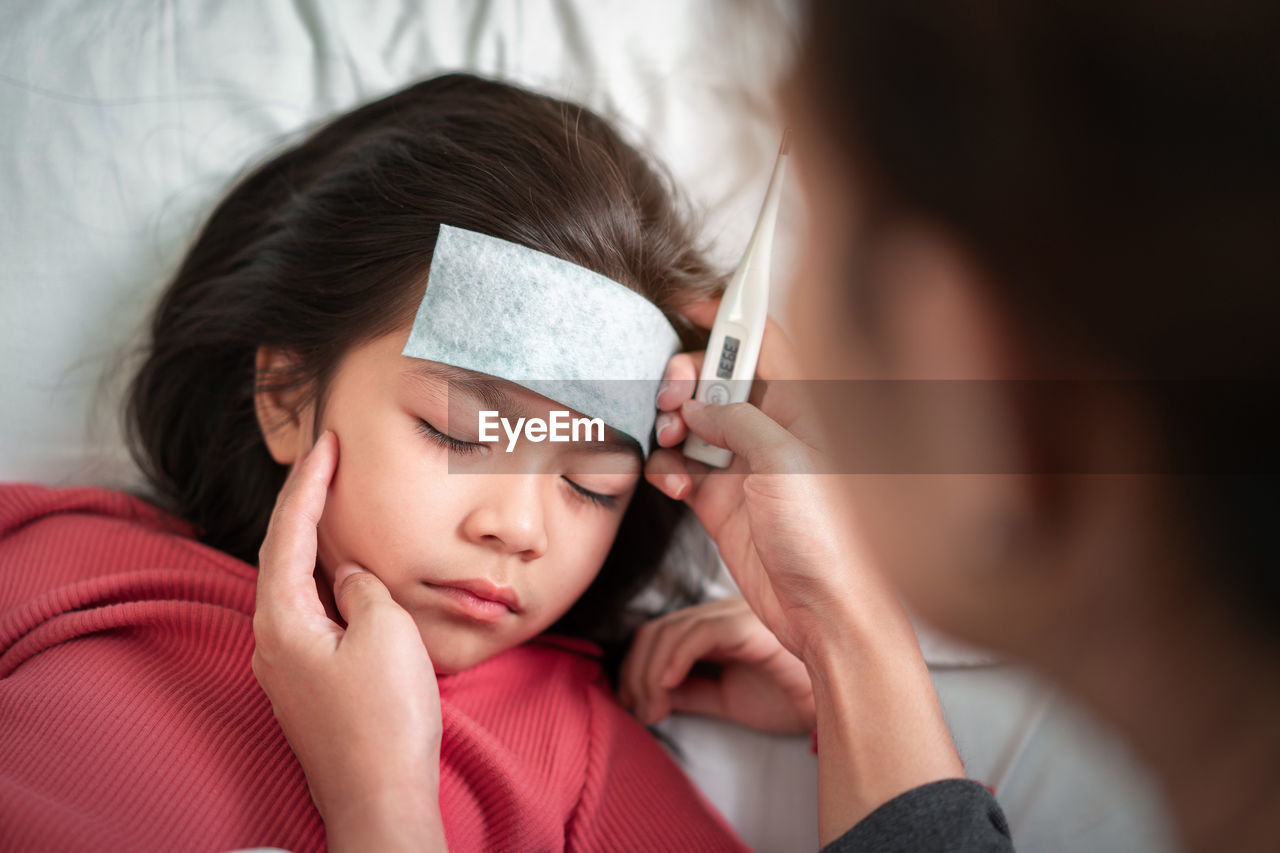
328,244
1113,165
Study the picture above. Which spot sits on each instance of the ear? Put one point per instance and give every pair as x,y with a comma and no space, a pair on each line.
285,423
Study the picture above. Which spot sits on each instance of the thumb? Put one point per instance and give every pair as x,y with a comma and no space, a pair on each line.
356,591
742,428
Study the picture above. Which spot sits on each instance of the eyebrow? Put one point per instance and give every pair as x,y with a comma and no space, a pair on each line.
494,396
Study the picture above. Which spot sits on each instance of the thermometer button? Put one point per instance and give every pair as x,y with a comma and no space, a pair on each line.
717,394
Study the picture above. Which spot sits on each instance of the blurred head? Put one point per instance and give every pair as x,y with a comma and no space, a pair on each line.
288,316
1034,191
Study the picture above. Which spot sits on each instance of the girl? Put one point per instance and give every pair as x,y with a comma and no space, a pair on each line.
130,707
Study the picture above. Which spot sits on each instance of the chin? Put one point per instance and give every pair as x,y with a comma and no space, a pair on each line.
456,648
445,669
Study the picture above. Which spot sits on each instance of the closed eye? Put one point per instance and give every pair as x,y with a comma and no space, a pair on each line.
606,501
469,447
448,442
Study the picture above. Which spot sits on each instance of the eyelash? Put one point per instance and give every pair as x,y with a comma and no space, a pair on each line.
467,448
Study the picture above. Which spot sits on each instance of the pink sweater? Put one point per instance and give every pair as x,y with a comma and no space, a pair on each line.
130,718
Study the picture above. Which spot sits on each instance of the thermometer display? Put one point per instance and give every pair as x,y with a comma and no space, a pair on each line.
727,372
728,355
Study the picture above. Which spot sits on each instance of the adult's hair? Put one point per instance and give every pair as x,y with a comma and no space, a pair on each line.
328,245
1112,166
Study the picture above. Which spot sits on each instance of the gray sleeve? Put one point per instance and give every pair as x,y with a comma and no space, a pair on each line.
954,815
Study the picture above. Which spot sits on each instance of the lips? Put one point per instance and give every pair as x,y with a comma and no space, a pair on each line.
479,598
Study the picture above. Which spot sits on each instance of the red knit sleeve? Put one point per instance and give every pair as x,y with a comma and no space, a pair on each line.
635,797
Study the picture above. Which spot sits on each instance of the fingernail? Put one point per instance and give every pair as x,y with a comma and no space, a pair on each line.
663,388
670,678
692,405
674,484
665,422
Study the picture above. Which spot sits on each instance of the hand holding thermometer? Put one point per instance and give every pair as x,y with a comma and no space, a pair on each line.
738,330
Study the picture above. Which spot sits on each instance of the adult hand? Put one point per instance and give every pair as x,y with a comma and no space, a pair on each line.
775,512
786,535
760,685
359,705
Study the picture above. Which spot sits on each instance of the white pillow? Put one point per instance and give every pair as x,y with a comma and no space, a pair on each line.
124,124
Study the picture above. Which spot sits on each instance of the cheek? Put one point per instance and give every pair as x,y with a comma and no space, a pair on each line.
384,501
587,543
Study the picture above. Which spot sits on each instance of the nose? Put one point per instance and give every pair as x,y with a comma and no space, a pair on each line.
508,514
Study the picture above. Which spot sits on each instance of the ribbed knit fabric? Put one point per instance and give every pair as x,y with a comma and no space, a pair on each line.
130,718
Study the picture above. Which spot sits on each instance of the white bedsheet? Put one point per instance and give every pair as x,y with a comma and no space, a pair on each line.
122,122
1065,785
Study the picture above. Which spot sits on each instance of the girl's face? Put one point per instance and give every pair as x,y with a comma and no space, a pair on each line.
485,548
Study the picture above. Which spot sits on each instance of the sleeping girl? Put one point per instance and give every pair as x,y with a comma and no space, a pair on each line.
131,714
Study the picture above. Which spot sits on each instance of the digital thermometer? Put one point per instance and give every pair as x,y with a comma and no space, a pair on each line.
734,345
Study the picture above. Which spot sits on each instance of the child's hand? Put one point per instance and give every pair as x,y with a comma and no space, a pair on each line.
360,705
761,684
